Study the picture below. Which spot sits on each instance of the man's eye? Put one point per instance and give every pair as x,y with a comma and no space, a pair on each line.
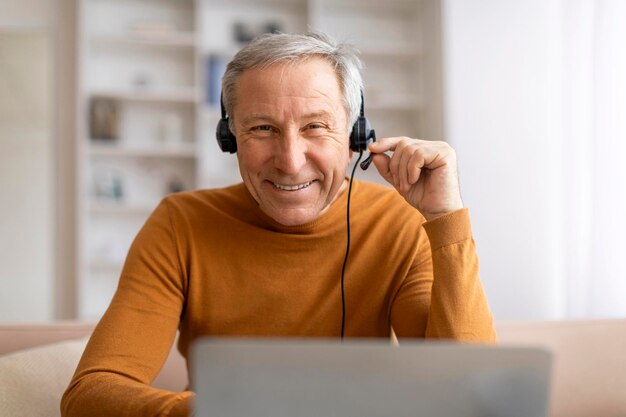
315,130
263,130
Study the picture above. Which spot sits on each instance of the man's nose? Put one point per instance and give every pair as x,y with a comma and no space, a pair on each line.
290,153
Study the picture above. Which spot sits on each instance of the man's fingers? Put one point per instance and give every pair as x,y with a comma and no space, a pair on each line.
403,170
407,158
381,162
416,162
385,144
432,154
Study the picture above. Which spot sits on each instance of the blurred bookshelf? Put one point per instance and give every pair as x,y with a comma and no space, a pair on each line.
149,84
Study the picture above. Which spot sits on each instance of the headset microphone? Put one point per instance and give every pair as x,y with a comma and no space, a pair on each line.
367,161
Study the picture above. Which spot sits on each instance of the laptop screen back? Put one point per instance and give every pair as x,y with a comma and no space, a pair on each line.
298,378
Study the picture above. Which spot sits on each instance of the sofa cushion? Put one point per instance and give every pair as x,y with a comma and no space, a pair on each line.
589,372
32,381
17,336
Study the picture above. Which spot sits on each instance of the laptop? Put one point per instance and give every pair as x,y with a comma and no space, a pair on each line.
367,378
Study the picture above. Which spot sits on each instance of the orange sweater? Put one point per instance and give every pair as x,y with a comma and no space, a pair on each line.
211,263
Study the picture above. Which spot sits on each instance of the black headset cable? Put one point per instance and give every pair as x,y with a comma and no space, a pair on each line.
345,260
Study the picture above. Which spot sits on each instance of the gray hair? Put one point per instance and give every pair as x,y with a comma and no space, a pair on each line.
274,48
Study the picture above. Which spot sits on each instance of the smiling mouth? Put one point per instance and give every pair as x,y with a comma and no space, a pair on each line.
292,187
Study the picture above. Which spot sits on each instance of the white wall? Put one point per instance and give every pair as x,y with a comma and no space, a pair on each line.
20,14
26,162
501,60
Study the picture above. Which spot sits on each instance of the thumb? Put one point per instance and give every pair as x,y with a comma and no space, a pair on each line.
381,162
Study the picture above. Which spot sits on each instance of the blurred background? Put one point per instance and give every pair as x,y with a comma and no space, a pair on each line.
108,105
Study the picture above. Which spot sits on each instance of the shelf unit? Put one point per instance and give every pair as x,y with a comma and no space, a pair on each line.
179,39
146,94
157,63
182,150
140,58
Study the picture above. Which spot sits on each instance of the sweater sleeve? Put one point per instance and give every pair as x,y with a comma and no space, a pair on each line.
457,307
132,340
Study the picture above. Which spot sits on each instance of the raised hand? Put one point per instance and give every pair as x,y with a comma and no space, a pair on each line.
423,172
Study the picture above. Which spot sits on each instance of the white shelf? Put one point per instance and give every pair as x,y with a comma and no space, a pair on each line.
401,103
281,4
174,39
104,265
165,95
224,52
389,51
188,150
372,5
120,208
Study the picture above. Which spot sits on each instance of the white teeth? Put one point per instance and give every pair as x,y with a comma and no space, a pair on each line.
292,187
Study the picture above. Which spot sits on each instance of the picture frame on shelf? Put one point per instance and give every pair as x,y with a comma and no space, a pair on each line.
103,119
108,185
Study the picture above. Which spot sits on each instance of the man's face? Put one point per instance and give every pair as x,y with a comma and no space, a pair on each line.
292,138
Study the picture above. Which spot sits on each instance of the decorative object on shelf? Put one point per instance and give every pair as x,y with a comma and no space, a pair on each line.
172,129
175,185
273,27
142,81
103,119
243,33
215,68
107,185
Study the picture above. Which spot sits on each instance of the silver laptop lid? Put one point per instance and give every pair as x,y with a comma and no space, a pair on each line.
304,378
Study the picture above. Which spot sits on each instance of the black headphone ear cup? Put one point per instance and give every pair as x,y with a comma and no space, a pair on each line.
359,135
225,138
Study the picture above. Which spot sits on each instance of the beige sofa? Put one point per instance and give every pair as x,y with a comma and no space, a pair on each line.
589,374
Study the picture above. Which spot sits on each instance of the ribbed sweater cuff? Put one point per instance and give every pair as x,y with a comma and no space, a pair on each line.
449,229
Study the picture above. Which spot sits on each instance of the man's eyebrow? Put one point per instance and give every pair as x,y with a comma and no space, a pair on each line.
315,115
254,117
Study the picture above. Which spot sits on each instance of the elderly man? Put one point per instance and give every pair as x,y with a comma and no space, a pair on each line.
265,258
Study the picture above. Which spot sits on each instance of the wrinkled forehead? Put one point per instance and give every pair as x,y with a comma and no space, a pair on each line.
290,91
297,74
312,80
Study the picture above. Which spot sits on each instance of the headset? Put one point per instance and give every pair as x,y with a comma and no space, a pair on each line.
360,136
